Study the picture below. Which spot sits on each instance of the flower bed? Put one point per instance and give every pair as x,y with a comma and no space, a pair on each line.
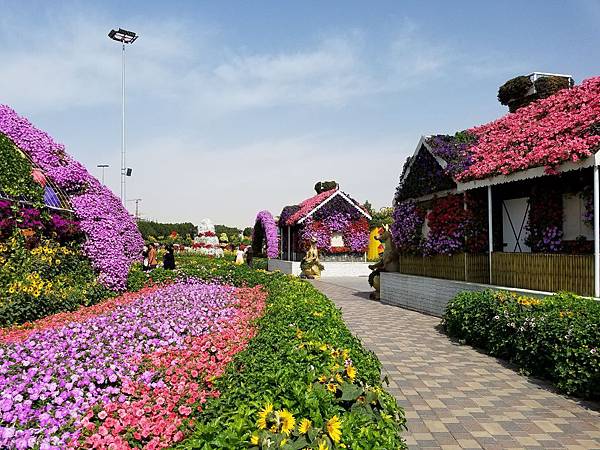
303,382
556,338
130,376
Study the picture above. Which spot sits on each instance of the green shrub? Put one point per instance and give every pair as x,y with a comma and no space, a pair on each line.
557,338
300,338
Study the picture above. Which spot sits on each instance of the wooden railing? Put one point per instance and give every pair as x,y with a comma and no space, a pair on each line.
553,273
542,272
460,267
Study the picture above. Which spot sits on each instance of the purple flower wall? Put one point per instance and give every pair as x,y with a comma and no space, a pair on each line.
113,241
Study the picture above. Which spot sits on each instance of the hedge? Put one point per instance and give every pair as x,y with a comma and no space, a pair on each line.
557,338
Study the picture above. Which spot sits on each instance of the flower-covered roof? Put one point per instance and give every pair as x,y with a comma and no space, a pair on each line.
564,127
291,215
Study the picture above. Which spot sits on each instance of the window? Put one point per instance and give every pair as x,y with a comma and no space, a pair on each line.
573,224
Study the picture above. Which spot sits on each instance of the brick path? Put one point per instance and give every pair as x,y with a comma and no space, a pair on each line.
454,396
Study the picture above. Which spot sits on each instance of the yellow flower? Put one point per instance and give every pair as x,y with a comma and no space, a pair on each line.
339,378
286,420
322,379
254,439
323,445
304,426
351,372
331,387
334,429
345,354
262,416
282,443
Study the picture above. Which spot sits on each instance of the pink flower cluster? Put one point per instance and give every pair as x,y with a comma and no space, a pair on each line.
132,376
563,127
113,241
308,205
157,415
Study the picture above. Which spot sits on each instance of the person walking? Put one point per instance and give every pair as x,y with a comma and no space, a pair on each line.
152,257
169,258
239,257
249,256
145,256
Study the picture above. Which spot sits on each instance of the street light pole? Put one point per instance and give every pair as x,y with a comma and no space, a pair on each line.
137,207
102,166
124,37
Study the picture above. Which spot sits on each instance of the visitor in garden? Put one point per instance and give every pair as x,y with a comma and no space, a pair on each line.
249,256
169,258
145,256
152,257
239,256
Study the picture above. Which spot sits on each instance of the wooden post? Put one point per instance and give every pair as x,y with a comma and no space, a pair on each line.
490,233
596,233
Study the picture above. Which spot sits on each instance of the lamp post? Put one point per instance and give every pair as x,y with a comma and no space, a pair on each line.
124,37
137,207
102,166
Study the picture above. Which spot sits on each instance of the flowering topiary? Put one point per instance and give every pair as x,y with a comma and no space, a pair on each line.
113,241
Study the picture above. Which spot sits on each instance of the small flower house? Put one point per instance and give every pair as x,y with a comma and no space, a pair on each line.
336,222
509,203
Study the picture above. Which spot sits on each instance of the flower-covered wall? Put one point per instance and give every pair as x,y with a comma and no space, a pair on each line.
112,240
265,237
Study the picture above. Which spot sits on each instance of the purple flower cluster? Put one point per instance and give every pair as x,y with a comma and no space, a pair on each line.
286,213
337,222
113,241
265,221
444,244
453,150
316,230
49,381
425,177
551,240
407,226
338,205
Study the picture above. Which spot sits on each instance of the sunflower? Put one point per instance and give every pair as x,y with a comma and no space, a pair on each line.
254,439
334,429
339,378
323,445
351,372
287,421
331,387
304,426
262,416
322,378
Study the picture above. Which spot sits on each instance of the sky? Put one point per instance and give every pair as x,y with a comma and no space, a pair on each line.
235,107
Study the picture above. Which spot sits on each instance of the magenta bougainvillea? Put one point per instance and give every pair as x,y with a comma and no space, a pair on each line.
265,228
548,132
113,241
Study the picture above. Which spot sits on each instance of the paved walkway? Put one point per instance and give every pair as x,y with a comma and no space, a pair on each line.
454,396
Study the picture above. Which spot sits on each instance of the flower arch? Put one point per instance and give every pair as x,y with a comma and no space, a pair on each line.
265,229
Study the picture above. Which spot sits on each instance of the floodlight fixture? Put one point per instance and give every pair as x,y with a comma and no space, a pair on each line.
123,36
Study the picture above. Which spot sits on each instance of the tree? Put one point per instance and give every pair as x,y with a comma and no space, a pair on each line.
248,231
369,207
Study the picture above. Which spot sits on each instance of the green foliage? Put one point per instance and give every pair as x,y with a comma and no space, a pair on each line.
48,279
382,217
513,93
301,338
323,186
547,86
556,338
15,174
248,231
156,231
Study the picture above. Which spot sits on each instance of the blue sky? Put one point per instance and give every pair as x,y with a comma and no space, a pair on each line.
238,106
